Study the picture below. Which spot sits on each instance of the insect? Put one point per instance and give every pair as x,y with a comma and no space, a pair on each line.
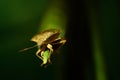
47,41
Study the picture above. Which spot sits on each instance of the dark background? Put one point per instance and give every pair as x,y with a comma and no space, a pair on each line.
20,20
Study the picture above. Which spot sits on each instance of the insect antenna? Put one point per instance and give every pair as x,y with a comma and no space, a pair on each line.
28,48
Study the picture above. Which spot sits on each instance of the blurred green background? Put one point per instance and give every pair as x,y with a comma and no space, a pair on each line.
91,28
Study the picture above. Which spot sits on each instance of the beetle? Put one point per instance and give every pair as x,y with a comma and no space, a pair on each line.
47,41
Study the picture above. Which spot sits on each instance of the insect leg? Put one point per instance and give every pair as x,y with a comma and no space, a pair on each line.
49,46
58,43
37,54
63,41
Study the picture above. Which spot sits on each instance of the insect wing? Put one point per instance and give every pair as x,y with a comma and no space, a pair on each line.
45,35
52,37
